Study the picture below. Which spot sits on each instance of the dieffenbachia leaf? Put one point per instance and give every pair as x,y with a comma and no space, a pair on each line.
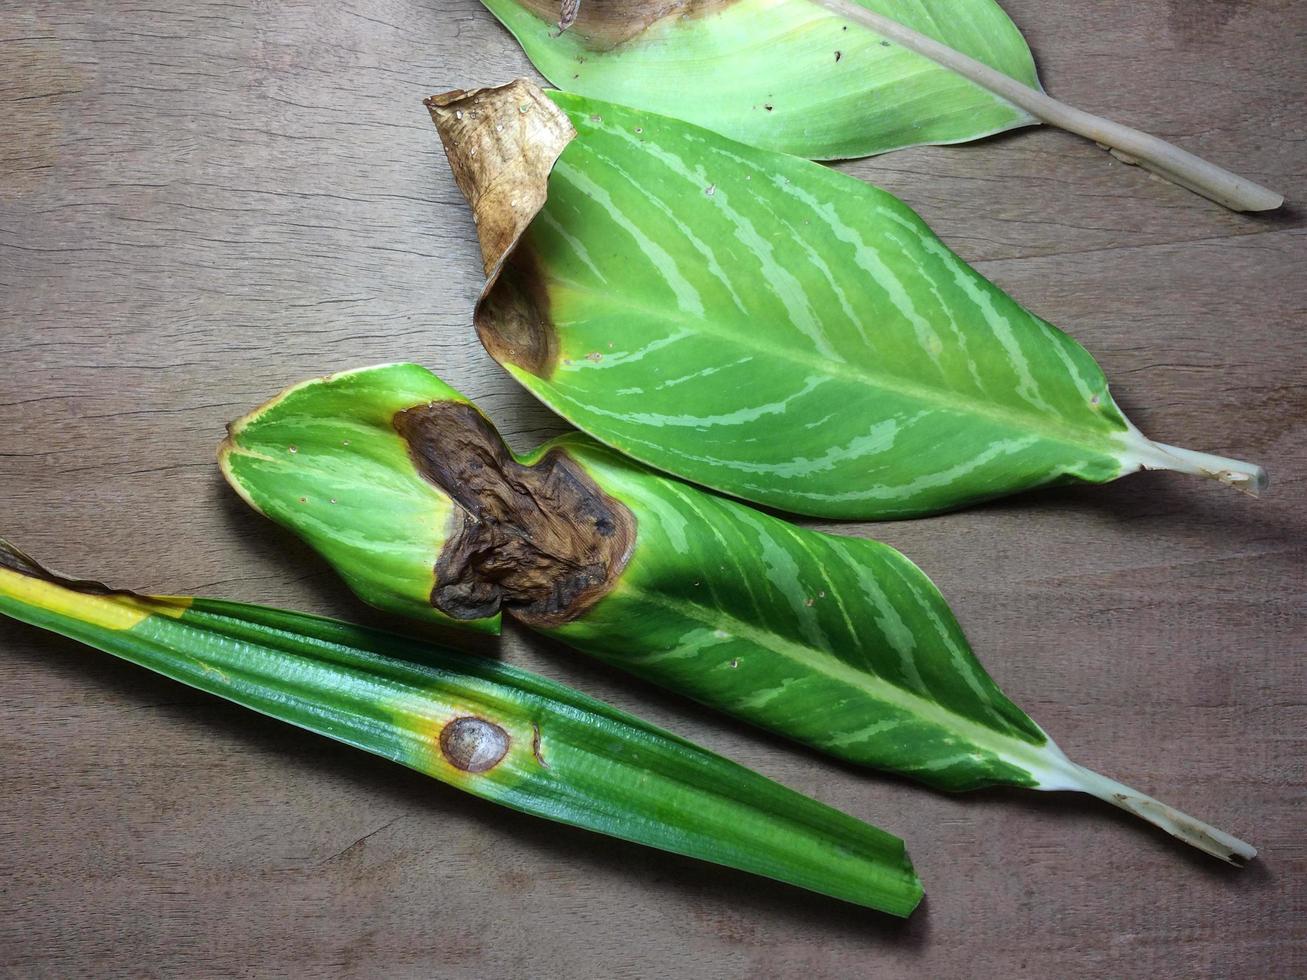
830,79
480,726
765,326
788,75
838,642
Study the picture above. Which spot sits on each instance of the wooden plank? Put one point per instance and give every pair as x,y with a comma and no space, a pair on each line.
201,203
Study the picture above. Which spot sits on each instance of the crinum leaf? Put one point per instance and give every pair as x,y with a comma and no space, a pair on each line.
829,79
838,642
485,728
766,326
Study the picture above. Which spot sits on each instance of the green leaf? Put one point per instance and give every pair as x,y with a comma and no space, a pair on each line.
288,469
838,642
828,79
789,76
765,326
483,727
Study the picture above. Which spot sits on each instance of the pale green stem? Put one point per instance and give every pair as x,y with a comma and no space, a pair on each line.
1203,836
1126,144
1144,454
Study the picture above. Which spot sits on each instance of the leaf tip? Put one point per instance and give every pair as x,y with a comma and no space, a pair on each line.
502,144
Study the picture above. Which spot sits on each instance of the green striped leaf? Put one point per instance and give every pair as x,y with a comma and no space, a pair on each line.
837,642
765,326
789,75
483,727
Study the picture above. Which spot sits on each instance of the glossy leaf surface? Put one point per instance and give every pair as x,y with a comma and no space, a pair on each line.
292,472
768,327
838,642
787,75
483,727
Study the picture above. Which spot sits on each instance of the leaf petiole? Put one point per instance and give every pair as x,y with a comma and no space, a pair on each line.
1131,146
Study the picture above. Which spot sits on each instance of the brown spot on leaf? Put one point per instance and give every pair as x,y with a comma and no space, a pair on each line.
473,744
535,745
604,24
543,542
513,318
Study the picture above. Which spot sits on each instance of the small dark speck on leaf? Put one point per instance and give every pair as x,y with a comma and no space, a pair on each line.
839,55
595,356
735,663
710,190
884,44
769,107
596,118
304,500
639,129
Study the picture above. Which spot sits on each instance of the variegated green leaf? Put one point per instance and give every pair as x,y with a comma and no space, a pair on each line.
788,75
765,326
513,738
827,79
838,642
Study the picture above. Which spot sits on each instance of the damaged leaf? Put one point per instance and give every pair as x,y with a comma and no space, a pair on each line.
485,728
831,79
770,328
837,642
788,76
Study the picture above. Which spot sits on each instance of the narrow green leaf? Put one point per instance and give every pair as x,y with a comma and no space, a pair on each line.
483,727
765,326
839,642
789,76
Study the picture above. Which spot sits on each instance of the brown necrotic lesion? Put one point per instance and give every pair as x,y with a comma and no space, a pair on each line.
605,24
543,542
473,744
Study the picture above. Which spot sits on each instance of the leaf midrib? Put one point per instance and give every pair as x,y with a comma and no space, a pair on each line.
1065,434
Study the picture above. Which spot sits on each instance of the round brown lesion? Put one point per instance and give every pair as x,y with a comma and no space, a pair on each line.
473,744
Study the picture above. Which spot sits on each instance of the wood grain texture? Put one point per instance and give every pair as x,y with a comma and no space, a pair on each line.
201,203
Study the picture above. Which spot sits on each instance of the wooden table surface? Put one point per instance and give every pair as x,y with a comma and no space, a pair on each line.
201,203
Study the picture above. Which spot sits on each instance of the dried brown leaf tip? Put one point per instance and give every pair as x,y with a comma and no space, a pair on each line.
502,144
541,541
